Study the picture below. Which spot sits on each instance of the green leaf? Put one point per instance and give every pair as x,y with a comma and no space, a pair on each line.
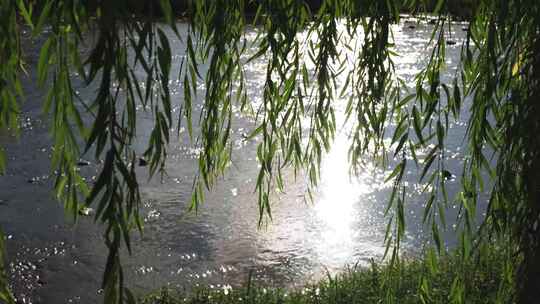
428,161
405,100
427,208
431,259
440,133
417,124
438,6
164,53
2,161
167,10
436,236
398,171
23,10
43,63
43,17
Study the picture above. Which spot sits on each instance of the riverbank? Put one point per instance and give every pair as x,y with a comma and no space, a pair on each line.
417,281
458,9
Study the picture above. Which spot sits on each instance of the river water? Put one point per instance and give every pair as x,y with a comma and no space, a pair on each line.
52,260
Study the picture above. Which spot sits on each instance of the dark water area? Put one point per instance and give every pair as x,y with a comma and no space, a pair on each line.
53,260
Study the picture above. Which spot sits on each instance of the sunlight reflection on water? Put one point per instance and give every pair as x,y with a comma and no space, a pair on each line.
221,244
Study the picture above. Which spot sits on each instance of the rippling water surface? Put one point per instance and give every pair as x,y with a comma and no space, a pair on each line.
53,261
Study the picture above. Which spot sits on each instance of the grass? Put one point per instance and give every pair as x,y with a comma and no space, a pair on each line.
428,280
